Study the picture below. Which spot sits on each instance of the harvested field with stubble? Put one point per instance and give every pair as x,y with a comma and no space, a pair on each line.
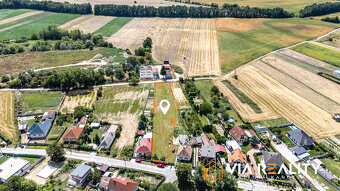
87,23
264,90
188,43
122,105
7,125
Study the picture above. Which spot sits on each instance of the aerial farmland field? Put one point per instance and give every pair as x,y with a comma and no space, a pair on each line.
8,13
164,121
16,15
87,23
7,120
39,102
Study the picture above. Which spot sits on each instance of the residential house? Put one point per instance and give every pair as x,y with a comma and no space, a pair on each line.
237,157
196,141
262,129
79,175
39,131
82,122
232,145
104,180
212,143
300,152
12,166
104,168
144,147
73,135
122,184
205,139
183,140
140,133
250,133
184,153
155,73
238,134
109,137
207,152
272,160
50,115
220,149
300,138
145,72
95,125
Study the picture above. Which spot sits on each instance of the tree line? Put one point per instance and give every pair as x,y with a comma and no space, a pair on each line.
47,6
320,9
227,10
331,19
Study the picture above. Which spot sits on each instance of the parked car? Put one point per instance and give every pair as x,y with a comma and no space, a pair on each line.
160,165
138,160
262,148
21,146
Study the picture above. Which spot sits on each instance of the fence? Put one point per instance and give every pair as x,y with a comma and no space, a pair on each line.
324,177
32,166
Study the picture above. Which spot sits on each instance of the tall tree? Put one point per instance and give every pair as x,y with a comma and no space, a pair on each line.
183,172
168,187
228,182
56,152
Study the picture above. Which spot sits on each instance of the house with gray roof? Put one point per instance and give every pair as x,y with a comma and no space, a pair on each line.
39,131
207,152
183,140
107,141
300,138
270,158
300,152
196,141
79,175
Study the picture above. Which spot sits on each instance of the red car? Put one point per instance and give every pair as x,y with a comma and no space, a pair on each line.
160,165
262,148
138,160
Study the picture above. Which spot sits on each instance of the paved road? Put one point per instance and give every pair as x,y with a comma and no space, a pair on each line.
170,174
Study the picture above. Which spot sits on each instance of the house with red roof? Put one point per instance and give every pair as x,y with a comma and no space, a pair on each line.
219,149
73,135
144,147
122,184
239,134
205,139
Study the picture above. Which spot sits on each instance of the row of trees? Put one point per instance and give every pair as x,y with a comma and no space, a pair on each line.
68,79
47,6
331,19
320,9
195,12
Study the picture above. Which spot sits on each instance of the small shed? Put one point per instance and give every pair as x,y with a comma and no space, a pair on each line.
95,125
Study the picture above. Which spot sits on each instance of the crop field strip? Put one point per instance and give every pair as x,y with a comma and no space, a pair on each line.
298,87
265,90
244,110
11,13
18,17
113,26
36,26
7,125
7,25
87,23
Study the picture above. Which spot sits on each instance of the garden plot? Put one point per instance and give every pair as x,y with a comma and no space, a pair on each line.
78,98
21,16
7,126
179,96
39,102
87,23
298,87
122,105
265,90
188,43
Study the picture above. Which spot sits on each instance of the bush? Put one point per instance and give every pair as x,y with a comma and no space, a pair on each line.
177,69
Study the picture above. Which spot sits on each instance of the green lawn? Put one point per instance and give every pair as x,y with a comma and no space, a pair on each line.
239,47
324,54
163,124
30,159
56,132
204,86
95,132
283,135
38,102
22,20
8,13
113,26
320,179
36,26
332,166
247,148
3,159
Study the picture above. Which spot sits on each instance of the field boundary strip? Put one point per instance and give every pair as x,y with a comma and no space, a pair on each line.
153,123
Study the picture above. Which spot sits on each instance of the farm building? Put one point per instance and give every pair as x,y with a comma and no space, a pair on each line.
11,167
184,153
82,122
79,175
300,138
155,73
145,72
73,135
39,131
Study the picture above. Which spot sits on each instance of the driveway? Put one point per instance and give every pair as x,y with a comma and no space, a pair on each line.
253,161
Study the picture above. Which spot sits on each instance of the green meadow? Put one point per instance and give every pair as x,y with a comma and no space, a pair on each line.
8,13
113,26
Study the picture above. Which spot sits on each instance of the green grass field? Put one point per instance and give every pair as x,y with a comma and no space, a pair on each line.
38,102
30,159
163,124
261,36
332,166
113,26
22,20
205,86
36,26
8,13
324,54
283,135
34,60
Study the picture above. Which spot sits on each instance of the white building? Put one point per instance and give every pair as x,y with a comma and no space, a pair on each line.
11,167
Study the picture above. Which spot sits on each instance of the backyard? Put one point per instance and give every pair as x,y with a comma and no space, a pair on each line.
281,133
39,102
